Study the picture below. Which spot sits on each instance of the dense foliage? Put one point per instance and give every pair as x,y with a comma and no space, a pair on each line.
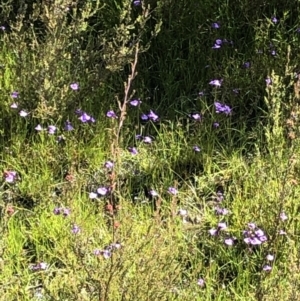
150,150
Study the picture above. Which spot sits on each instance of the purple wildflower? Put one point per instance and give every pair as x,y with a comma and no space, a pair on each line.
66,212
111,114
51,129
75,229
213,231
135,102
201,282
14,94
274,20
93,195
283,216
254,236
221,211
196,148
144,117
216,124
137,2
14,105
195,116
268,81
172,190
38,128
222,108
74,86
84,117
229,241
215,25
270,257
10,176
246,65
216,82
109,164
153,192
102,191
267,268
39,266
152,116
68,126
57,211
23,113
182,212
133,150
147,140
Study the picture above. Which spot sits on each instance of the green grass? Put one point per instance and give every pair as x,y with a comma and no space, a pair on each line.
248,165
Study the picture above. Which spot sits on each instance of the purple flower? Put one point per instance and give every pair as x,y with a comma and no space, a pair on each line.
109,164
14,94
133,150
216,124
195,116
182,212
216,82
23,113
97,252
14,105
254,236
246,65
135,102
221,211
268,81
51,129
201,93
68,126
152,116
84,117
172,190
196,148
201,282
102,191
273,52
144,117
215,25
38,128
229,241
216,46
283,216
138,137
270,257
222,226
267,268
137,2
213,231
111,114
147,140
274,20
75,229
93,195
39,266
10,176
66,212
57,211
222,108
153,192
74,86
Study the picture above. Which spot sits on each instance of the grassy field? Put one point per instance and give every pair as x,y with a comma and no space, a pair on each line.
150,150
